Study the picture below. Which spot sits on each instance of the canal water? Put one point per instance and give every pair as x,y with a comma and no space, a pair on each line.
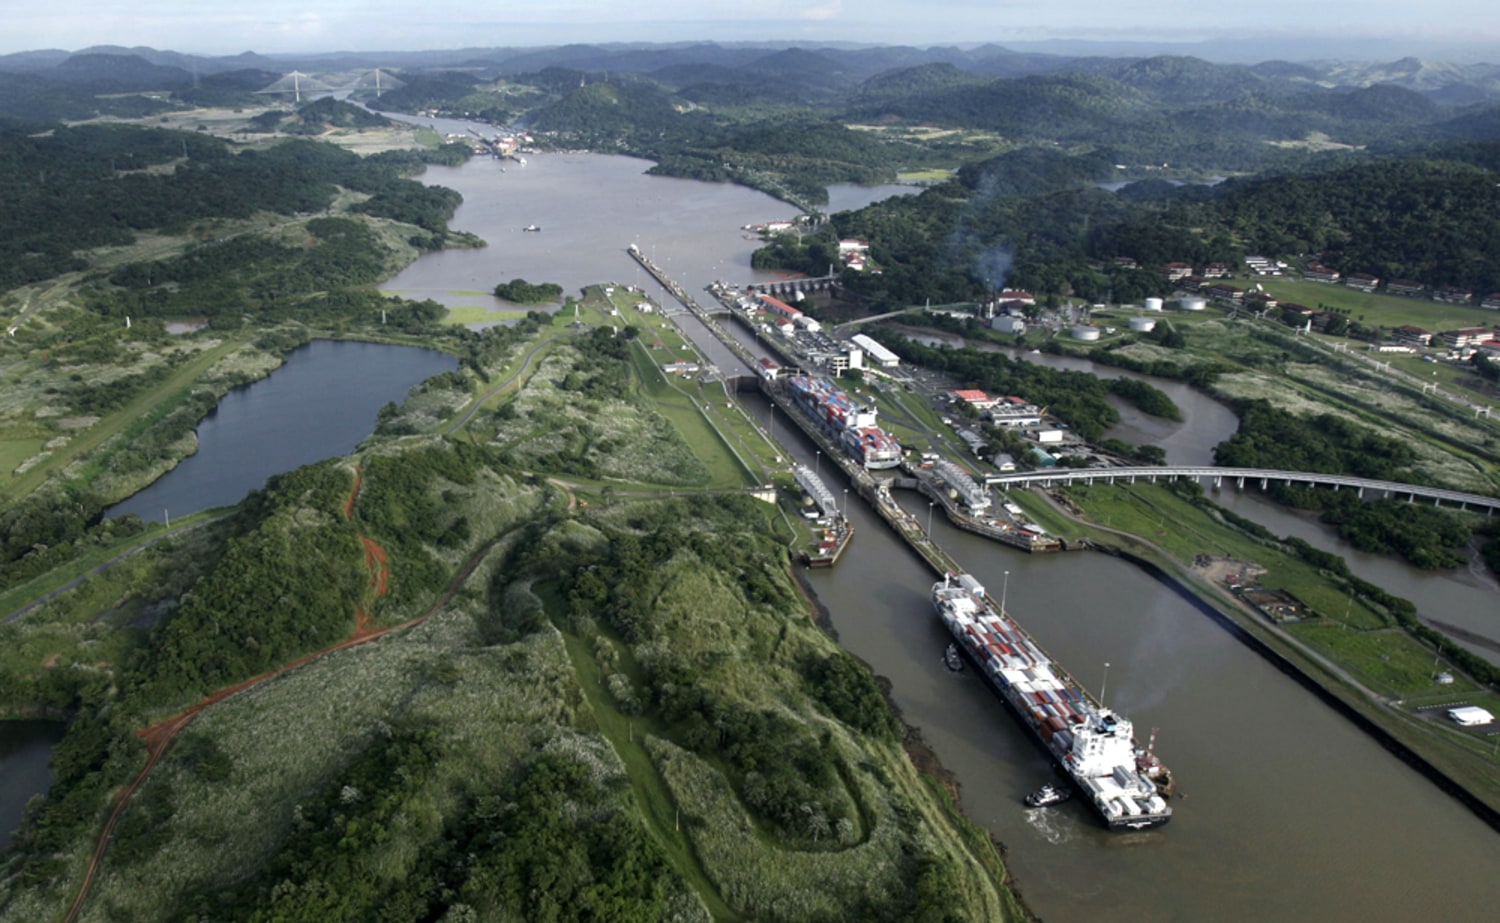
25,747
590,208
319,404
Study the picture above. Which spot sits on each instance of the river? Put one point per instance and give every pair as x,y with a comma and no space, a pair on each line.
319,404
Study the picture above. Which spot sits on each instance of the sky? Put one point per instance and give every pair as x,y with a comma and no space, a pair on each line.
270,26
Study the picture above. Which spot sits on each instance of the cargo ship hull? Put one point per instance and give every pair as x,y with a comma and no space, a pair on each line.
1124,785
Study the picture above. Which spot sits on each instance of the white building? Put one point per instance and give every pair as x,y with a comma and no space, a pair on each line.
878,354
1470,716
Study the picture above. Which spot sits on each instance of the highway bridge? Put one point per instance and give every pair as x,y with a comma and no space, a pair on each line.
1241,476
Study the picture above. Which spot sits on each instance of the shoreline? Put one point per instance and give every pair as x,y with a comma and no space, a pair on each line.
1328,695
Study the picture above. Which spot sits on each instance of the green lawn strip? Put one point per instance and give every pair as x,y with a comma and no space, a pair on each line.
1044,514
154,402
657,806
1389,659
478,314
1376,309
754,445
726,467
1185,537
14,452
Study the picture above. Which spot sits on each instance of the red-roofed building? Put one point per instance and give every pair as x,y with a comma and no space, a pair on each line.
1362,281
1175,271
1404,287
778,307
1229,293
1317,272
974,398
1469,336
1411,336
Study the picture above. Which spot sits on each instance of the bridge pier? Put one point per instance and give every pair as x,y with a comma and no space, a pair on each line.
1242,483
1360,493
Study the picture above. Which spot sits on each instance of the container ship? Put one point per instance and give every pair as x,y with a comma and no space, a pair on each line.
851,426
1124,784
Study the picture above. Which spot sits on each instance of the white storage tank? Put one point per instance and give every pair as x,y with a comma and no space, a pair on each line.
1193,304
1143,324
1153,304
1085,332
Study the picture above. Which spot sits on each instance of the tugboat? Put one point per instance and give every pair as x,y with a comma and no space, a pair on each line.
952,659
1047,795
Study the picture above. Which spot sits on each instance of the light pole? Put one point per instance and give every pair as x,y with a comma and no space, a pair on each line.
930,507
846,503
817,462
1004,587
1104,685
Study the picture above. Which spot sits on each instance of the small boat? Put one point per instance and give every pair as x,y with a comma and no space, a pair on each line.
1047,795
952,659
532,227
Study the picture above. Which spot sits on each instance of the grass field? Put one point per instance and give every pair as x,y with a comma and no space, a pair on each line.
726,467
14,451
475,314
1384,310
1389,661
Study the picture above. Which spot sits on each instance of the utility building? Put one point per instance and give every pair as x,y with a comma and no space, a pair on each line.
878,354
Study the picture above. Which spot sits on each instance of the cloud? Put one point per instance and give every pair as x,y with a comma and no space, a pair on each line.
825,12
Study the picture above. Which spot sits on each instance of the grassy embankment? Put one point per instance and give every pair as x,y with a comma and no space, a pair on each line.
147,407
1347,646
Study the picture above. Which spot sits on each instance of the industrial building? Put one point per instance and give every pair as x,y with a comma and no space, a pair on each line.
878,354
1470,716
